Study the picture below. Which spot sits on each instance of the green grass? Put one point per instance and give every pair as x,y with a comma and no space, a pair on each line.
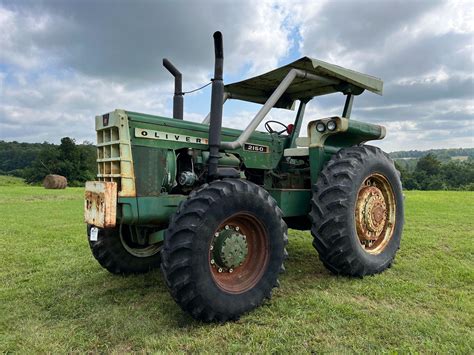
11,181
54,297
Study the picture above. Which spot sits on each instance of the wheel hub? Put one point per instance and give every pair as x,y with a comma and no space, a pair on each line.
371,213
229,248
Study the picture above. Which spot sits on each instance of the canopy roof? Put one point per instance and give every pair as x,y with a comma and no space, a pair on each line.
332,78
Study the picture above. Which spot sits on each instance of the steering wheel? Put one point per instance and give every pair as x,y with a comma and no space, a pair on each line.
271,130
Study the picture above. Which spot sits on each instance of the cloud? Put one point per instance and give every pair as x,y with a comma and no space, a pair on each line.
73,60
423,52
127,42
63,62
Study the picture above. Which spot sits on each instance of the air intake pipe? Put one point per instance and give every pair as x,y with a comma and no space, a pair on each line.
215,122
178,100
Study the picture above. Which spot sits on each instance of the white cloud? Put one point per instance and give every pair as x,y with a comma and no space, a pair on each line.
61,63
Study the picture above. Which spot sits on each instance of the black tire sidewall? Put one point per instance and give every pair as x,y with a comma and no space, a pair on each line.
377,262
247,203
109,251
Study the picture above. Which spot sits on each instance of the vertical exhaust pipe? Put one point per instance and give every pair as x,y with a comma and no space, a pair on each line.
178,89
215,122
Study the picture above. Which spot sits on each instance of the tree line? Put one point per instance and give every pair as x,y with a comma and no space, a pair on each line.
77,162
430,173
33,161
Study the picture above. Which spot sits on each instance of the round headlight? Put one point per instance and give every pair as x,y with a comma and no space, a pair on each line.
320,127
332,125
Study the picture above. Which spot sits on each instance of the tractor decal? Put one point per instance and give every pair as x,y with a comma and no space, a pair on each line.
167,136
256,148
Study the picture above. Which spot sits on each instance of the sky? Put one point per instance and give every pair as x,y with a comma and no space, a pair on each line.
64,62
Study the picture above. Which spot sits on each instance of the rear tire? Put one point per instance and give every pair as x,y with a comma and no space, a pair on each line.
212,287
119,256
357,212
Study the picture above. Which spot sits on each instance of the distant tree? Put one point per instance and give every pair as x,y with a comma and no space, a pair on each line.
429,164
75,162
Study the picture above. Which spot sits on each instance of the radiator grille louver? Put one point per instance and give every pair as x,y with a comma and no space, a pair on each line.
108,155
114,154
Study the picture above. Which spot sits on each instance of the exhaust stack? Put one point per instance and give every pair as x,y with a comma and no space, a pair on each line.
217,98
178,100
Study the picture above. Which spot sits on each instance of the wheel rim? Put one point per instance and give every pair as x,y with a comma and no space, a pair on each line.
139,251
375,213
237,266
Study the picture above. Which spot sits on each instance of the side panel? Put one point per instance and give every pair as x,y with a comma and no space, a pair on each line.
166,133
151,167
293,202
149,210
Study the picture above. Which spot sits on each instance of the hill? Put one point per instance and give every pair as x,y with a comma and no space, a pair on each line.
441,154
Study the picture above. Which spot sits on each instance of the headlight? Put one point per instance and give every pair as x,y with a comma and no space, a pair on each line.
332,125
320,127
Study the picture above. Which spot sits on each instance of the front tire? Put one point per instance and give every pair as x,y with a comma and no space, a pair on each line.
119,255
357,212
224,250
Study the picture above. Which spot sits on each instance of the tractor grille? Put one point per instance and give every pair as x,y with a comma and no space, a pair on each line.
108,155
114,159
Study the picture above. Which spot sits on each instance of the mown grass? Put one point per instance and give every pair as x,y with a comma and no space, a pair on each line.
54,297
6,180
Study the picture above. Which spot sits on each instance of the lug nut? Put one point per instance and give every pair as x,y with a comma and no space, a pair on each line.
231,270
220,269
212,247
212,261
216,234
237,228
226,227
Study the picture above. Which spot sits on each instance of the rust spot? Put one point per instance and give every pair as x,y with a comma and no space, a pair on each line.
100,205
375,213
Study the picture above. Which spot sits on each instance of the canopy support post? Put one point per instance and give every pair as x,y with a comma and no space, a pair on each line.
346,112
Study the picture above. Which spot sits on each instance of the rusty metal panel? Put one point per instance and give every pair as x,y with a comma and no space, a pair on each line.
100,205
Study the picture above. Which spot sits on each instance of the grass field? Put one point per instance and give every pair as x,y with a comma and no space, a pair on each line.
54,297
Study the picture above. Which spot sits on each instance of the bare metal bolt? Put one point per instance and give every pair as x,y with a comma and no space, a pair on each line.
212,247
216,235
220,269
226,227
212,261
231,270
237,228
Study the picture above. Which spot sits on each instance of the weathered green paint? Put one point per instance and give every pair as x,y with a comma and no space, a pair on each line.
292,202
317,158
226,159
230,248
186,128
357,132
151,165
149,210
157,237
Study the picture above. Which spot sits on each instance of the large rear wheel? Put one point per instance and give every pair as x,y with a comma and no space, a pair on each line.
224,250
357,212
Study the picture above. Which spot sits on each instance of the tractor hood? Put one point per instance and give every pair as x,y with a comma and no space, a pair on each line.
333,78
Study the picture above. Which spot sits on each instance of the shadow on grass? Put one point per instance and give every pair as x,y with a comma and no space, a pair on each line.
98,296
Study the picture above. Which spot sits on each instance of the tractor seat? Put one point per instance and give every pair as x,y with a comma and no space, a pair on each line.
302,150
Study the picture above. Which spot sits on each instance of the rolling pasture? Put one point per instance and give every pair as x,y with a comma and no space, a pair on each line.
54,297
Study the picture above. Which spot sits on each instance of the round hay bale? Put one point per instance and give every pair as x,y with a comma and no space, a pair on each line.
54,182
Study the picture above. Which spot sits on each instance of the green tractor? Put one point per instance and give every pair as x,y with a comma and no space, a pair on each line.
212,205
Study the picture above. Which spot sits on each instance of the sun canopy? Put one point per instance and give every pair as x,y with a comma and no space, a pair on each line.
330,78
